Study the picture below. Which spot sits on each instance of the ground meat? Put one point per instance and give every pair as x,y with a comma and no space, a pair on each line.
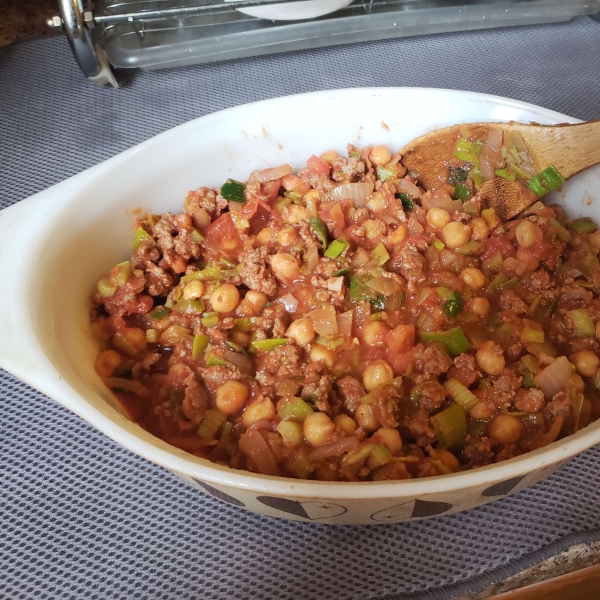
420,428
575,295
560,405
283,361
407,261
432,362
347,169
504,388
158,281
385,405
143,254
432,396
350,390
510,301
217,375
203,199
464,370
129,300
318,393
254,271
149,360
195,400
478,451
540,281
274,320
530,400
175,242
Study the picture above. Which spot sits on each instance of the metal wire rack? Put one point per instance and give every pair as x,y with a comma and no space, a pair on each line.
165,33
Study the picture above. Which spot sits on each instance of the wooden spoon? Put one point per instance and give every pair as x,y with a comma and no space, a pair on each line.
568,148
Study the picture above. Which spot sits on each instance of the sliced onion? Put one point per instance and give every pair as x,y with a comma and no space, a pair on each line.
241,361
447,257
312,258
357,192
494,139
335,284
290,302
384,285
408,187
347,444
253,445
440,199
487,171
554,377
344,322
264,175
126,385
324,320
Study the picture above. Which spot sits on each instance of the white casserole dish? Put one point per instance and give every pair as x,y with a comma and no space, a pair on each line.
56,244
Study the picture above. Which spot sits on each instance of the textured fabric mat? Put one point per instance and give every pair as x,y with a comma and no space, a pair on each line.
83,518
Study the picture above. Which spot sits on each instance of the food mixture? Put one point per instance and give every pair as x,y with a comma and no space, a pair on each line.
343,324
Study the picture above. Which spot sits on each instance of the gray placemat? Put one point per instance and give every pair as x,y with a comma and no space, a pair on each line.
83,518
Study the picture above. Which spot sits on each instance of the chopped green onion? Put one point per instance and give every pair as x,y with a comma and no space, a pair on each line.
456,175
197,236
489,214
438,244
502,282
518,171
206,274
380,254
562,233
467,157
359,290
266,345
200,345
379,456
469,248
464,145
450,426
506,174
584,326
462,192
453,305
233,190
582,225
477,177
546,181
106,288
214,360
454,339
212,422
337,248
320,230
406,200
141,235
461,394
186,305
291,433
294,409
385,174
210,319
356,456
245,323
340,272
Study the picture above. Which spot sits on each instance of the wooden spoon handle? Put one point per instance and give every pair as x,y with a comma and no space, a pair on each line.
569,148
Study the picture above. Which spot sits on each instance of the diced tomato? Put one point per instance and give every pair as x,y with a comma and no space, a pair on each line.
401,363
318,165
332,215
270,189
400,339
222,236
499,244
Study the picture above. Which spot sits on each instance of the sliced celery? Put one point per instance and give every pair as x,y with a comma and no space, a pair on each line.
160,312
529,334
562,233
438,244
210,319
379,456
106,288
450,426
582,225
197,236
337,248
584,326
454,339
294,409
212,422
186,305
469,249
291,433
141,235
245,323
266,345
546,181
380,254
206,274
200,345
385,174
506,174
461,394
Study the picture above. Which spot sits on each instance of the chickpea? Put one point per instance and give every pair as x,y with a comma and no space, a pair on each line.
291,182
225,298
380,156
438,217
318,429
377,202
173,335
586,362
329,156
319,353
193,290
473,277
377,373
594,239
365,418
301,331
179,372
372,229
598,329
490,358
456,234
576,383
374,333
479,229
264,236
448,459
345,424
312,196
528,233
389,437
240,338
506,429
261,408
130,341
285,266
287,236
479,306
294,214
398,234
231,397
106,362
483,411
257,300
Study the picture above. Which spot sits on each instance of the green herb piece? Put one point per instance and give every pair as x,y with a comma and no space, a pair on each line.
233,190
141,235
584,326
380,254
385,174
582,225
406,200
453,305
340,272
337,248
200,345
212,422
456,175
454,339
206,274
461,394
320,230
295,409
266,345
506,174
462,192
450,426
546,181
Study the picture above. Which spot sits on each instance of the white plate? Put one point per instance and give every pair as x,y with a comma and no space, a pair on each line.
295,11
58,243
